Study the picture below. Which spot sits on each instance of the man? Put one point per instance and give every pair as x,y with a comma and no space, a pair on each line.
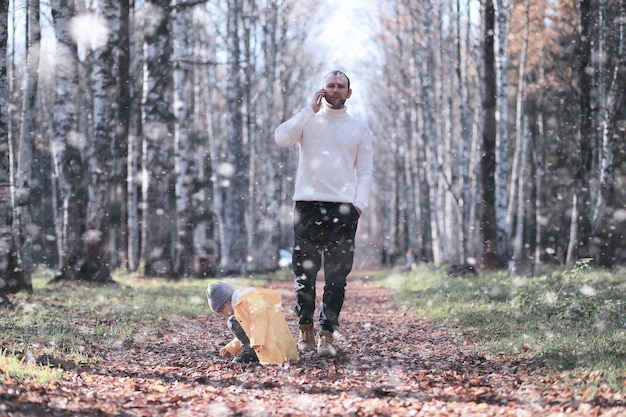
333,183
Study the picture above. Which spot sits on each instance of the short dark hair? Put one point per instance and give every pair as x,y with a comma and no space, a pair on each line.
337,72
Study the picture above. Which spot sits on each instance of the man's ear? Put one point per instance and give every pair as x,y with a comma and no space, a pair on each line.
349,93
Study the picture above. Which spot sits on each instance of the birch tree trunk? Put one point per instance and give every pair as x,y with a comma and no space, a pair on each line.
429,197
119,192
580,224
134,181
27,230
617,90
540,156
250,113
158,191
422,149
268,206
12,278
393,192
210,232
519,159
521,198
183,149
502,142
236,163
433,207
461,69
68,146
488,226
97,259
474,248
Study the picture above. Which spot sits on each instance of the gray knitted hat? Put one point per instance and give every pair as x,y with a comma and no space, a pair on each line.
219,294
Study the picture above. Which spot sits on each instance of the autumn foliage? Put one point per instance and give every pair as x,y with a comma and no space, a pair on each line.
390,363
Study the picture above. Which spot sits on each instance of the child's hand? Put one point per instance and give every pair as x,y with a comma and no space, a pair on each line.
224,352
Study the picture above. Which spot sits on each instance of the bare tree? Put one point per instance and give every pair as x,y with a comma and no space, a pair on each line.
538,150
264,210
11,275
119,241
159,183
426,149
488,161
580,219
68,145
518,178
193,98
27,230
183,144
605,198
236,162
502,141
97,259
133,92
461,67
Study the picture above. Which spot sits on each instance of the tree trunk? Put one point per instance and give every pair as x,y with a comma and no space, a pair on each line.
183,149
212,228
97,259
488,224
121,156
158,226
426,177
518,244
235,190
26,229
134,182
585,134
267,254
539,150
573,231
461,69
68,146
502,140
605,198
256,242
518,171
12,278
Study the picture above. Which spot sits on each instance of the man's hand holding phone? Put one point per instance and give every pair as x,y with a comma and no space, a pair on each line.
316,103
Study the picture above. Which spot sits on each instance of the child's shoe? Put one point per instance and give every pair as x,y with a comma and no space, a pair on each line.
325,346
247,355
306,339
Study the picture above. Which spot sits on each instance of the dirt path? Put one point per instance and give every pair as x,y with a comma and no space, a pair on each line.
389,364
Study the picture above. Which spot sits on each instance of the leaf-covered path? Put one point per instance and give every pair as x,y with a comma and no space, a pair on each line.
390,363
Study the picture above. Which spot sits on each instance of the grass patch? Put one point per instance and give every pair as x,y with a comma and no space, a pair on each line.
574,319
12,367
70,324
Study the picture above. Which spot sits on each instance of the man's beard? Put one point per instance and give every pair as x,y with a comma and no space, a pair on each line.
336,102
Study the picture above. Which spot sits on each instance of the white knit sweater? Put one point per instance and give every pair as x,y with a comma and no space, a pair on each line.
335,156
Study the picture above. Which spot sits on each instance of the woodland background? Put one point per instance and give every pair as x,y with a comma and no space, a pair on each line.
139,135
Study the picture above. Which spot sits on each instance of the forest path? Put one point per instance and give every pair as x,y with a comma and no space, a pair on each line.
389,363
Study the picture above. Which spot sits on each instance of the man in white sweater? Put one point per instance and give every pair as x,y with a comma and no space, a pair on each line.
333,183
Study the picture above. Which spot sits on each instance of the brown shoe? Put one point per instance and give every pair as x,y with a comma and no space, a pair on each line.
325,346
306,339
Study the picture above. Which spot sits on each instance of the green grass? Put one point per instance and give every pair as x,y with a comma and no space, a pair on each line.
69,322
574,319
21,370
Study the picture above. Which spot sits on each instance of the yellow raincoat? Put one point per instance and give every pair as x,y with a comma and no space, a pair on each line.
258,313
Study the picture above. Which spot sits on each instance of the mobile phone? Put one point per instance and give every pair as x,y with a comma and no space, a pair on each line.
319,101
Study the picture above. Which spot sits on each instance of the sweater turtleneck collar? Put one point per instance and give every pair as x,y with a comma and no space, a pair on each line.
326,109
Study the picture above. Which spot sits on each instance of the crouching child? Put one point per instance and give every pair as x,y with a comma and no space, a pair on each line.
260,329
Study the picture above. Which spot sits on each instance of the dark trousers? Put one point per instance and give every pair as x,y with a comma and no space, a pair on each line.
237,330
323,232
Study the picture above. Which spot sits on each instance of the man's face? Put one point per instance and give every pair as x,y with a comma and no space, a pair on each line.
337,91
